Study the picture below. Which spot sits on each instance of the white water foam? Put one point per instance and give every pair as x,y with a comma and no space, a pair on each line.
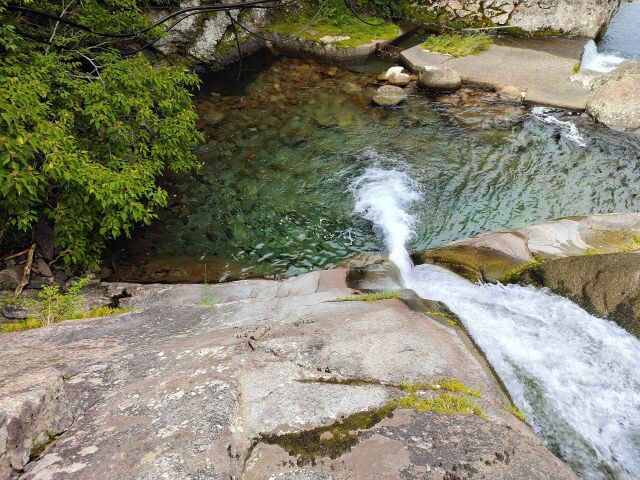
576,376
382,196
598,62
567,129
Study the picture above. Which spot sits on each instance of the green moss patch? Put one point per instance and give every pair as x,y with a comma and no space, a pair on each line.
450,384
519,32
332,23
458,45
337,439
514,274
451,320
39,446
516,412
31,323
330,441
369,297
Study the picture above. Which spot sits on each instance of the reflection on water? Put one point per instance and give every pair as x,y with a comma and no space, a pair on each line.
284,144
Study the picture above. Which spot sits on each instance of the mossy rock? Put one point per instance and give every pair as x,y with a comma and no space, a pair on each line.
473,263
606,285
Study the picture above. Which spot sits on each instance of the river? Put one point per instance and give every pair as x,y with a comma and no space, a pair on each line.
575,376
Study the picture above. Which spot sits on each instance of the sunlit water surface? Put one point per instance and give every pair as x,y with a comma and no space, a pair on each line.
284,143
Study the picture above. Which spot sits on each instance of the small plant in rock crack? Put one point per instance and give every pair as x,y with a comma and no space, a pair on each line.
55,305
208,296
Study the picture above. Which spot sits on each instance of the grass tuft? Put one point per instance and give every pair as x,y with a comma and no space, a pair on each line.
31,323
369,297
99,312
516,412
450,385
445,403
21,325
458,45
342,25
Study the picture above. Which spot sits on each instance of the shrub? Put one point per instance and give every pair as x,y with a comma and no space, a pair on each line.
85,132
55,306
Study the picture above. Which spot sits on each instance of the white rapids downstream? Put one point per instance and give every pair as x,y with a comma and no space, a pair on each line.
576,377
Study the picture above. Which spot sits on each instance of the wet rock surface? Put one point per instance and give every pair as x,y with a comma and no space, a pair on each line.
605,285
186,386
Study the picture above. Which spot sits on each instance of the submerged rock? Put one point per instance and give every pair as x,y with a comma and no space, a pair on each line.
327,39
615,100
439,78
389,95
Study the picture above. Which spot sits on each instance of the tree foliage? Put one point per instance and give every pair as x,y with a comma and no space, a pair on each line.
85,129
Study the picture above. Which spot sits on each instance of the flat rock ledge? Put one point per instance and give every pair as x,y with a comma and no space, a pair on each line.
540,69
205,381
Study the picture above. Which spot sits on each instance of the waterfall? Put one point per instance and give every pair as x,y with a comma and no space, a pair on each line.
382,196
598,62
575,376
567,129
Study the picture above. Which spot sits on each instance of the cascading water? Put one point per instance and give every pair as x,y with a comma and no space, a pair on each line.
621,42
596,61
575,375
567,129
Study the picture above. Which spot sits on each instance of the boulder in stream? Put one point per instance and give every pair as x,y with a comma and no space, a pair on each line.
615,99
607,285
439,78
503,255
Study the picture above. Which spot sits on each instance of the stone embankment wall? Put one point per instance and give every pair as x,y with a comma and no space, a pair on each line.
573,17
207,39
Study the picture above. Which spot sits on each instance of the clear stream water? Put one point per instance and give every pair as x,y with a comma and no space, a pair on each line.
575,376
284,143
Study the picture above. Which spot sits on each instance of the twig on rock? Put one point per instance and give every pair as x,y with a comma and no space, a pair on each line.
27,271
16,255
